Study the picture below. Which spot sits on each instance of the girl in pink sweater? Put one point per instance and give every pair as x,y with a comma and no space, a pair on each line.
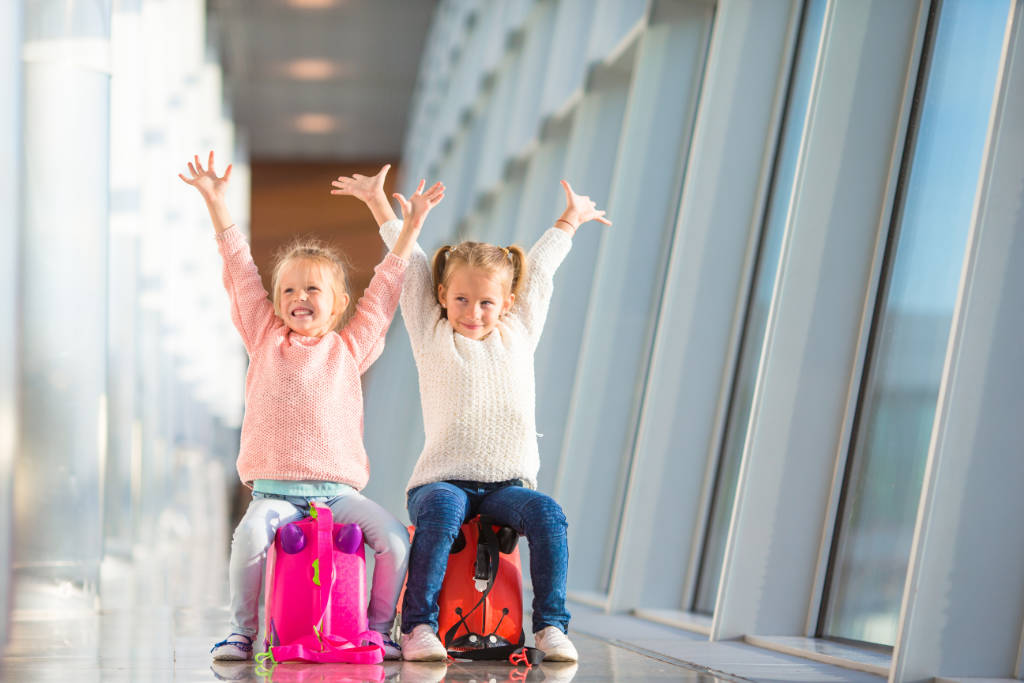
302,434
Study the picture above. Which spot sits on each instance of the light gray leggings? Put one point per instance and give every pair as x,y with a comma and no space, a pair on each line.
267,512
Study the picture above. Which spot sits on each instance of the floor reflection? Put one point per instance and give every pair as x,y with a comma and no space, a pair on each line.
404,672
613,664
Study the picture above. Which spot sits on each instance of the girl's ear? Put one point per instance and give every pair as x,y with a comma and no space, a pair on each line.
340,305
440,295
509,300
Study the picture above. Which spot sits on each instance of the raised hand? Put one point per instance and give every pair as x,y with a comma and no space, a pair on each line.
414,210
362,187
212,187
578,210
206,180
417,206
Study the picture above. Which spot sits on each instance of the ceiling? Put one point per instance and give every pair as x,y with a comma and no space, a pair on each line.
321,79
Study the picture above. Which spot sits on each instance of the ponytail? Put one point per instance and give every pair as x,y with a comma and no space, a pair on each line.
517,257
438,269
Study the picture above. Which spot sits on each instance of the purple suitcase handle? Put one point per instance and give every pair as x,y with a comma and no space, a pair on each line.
348,538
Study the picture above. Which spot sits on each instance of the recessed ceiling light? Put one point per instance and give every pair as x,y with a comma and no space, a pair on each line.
312,4
311,69
315,123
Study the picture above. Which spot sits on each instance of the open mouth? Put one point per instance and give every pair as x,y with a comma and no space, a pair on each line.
302,312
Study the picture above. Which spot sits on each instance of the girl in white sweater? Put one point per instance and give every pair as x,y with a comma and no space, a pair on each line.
474,319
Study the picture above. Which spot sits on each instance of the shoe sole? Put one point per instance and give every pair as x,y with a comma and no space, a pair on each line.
559,657
229,658
428,657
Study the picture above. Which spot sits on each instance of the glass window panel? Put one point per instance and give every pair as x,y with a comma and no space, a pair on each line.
525,116
567,64
757,313
629,276
542,199
505,211
492,167
612,22
470,178
900,393
590,166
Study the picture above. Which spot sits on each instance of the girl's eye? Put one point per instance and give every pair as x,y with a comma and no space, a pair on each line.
288,290
486,303
461,299
313,289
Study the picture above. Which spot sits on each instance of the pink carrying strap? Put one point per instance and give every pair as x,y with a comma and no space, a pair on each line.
332,650
323,565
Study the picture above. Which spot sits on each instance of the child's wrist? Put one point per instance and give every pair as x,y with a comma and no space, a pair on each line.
373,200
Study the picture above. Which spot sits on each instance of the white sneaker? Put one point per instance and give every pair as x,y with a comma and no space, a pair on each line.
556,645
392,650
422,645
234,647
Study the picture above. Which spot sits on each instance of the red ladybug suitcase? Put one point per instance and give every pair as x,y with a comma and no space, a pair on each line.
481,600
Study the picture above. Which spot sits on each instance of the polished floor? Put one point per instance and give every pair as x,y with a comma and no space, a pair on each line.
144,642
159,614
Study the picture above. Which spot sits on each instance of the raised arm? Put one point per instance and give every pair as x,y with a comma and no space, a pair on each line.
370,191
365,331
414,212
531,307
251,311
419,305
213,188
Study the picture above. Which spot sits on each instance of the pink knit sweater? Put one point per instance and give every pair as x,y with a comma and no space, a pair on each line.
303,397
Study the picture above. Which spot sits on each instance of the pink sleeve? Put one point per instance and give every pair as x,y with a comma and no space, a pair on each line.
364,333
251,310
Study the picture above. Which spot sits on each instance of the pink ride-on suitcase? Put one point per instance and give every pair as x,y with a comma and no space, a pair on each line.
315,593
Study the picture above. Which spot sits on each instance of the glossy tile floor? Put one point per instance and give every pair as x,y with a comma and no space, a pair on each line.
163,643
159,615
149,644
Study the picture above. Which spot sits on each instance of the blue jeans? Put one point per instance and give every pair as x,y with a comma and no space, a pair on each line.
437,511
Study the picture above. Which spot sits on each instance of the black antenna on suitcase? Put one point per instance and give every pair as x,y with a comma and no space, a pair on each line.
504,613
486,568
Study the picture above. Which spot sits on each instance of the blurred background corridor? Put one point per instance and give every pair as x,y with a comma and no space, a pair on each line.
780,399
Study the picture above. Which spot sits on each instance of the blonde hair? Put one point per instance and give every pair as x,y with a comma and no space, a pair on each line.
508,262
308,249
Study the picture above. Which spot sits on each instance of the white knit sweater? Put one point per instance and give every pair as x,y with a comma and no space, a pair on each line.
478,395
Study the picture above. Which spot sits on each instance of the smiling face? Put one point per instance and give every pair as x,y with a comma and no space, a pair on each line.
306,299
475,299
